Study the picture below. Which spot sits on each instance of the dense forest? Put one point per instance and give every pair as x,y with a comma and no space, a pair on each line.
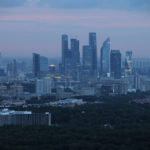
116,124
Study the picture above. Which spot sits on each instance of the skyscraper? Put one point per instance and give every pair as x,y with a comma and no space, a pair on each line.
76,58
87,58
64,51
12,69
87,61
115,64
128,63
93,45
43,64
105,58
68,62
36,65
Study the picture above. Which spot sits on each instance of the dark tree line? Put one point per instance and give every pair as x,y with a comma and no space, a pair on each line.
116,124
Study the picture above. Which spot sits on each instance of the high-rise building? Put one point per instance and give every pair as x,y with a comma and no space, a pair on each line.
141,66
12,69
39,87
105,58
36,65
75,66
115,64
43,64
75,52
44,86
128,63
68,63
64,51
93,45
87,60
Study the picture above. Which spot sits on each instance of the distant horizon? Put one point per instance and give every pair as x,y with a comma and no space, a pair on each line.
30,57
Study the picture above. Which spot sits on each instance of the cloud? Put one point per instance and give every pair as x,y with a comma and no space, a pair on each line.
78,4
94,18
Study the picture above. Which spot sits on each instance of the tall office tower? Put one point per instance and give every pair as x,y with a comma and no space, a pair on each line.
87,73
64,51
75,59
115,64
93,45
68,62
43,64
105,58
87,60
128,63
36,65
14,68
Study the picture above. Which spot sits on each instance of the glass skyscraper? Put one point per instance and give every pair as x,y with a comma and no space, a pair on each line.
93,45
64,51
75,52
43,64
87,62
115,64
105,58
36,65
128,63
75,58
87,58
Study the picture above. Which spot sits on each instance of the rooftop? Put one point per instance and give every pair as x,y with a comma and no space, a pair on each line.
12,112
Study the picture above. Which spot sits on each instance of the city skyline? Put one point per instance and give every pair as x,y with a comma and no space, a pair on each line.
36,26
75,74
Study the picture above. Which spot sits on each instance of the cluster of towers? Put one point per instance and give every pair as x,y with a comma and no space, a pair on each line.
70,57
71,65
110,60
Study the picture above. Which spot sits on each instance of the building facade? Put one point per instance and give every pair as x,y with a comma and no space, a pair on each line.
105,58
24,118
115,64
36,65
43,64
44,86
128,63
64,52
87,61
93,45
75,65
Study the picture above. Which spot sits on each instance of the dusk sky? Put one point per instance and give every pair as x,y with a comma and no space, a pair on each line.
28,26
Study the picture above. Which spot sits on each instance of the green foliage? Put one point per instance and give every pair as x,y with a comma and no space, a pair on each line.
82,128
41,100
70,138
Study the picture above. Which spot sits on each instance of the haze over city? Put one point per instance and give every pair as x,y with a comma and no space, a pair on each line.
74,74
28,26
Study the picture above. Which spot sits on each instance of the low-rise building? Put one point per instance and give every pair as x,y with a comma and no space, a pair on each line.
24,118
